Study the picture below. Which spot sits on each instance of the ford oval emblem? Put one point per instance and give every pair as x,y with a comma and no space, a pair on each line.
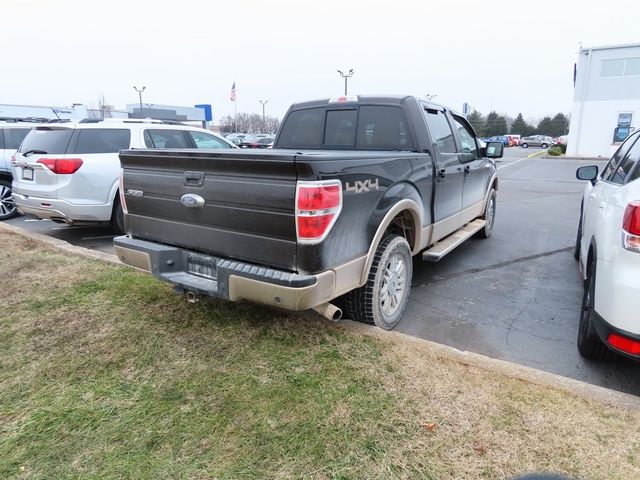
192,200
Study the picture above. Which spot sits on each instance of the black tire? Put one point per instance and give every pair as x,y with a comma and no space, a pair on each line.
589,344
489,216
525,145
7,207
544,145
117,218
365,304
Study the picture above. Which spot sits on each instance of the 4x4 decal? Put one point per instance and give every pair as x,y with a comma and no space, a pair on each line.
362,185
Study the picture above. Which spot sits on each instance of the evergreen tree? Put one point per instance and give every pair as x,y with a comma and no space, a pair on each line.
496,124
520,127
477,121
545,127
560,125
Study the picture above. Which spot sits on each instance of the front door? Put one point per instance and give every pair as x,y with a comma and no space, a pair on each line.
477,170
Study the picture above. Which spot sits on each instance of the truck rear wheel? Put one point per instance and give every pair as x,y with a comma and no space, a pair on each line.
383,299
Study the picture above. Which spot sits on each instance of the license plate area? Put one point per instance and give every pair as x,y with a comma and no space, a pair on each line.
27,173
202,266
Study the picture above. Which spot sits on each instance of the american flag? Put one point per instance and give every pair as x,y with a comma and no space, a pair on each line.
232,97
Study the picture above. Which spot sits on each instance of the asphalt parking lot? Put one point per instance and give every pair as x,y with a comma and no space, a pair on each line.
515,296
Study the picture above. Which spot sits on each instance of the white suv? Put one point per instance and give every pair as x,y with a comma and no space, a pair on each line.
69,172
11,135
608,248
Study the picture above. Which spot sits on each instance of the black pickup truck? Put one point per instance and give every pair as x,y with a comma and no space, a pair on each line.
328,219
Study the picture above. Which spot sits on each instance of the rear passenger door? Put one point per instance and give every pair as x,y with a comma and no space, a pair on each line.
449,173
98,177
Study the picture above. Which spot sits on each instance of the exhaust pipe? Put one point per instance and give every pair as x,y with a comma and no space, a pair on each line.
330,311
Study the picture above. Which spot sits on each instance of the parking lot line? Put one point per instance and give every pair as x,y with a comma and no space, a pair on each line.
513,163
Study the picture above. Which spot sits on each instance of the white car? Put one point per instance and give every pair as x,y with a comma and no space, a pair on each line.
608,248
69,172
11,135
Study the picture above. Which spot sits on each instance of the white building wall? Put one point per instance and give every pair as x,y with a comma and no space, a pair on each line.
598,100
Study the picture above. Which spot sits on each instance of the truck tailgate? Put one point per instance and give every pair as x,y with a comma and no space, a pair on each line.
248,212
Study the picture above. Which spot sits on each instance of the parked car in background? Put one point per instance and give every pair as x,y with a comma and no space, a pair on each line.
514,140
536,141
235,138
263,142
561,140
68,172
11,135
498,138
608,249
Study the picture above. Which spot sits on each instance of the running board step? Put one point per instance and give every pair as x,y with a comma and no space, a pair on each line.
444,246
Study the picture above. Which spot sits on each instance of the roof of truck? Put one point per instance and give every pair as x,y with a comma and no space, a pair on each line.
355,99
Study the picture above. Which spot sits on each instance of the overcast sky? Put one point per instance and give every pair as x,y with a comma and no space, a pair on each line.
491,54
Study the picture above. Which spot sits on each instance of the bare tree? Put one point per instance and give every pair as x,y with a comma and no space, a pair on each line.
100,108
249,123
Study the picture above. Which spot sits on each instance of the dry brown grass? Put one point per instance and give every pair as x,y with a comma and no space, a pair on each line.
104,373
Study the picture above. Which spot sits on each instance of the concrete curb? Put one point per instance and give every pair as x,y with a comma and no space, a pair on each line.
502,367
62,245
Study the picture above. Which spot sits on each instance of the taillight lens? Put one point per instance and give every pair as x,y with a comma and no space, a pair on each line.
13,159
631,227
62,166
123,201
624,344
318,205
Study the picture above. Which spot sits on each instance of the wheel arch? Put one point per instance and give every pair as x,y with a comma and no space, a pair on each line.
406,215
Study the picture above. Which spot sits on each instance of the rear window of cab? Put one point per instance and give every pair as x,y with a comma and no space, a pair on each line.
367,127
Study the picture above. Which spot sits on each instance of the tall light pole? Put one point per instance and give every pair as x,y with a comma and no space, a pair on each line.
140,90
346,77
263,102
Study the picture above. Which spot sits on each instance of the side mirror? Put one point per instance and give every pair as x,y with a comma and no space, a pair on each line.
590,173
494,150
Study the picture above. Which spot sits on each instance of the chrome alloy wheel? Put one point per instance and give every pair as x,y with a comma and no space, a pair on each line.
7,207
394,284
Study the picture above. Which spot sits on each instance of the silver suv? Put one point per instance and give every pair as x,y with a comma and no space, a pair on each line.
536,141
69,172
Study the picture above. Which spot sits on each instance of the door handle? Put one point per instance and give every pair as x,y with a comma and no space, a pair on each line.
467,169
442,174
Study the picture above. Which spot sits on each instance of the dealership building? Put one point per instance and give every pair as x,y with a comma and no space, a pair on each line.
606,102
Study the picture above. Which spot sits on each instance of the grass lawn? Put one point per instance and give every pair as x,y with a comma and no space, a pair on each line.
105,373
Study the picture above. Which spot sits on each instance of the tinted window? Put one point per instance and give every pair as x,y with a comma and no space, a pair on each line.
14,136
466,137
340,129
441,133
303,129
204,140
383,128
47,139
1,138
626,165
617,157
102,140
167,139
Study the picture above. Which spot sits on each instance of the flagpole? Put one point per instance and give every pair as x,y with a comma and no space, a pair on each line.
235,107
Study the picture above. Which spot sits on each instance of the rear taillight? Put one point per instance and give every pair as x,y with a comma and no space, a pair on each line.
318,205
13,159
631,227
62,166
123,201
624,344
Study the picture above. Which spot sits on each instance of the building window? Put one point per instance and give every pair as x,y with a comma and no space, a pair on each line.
620,67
